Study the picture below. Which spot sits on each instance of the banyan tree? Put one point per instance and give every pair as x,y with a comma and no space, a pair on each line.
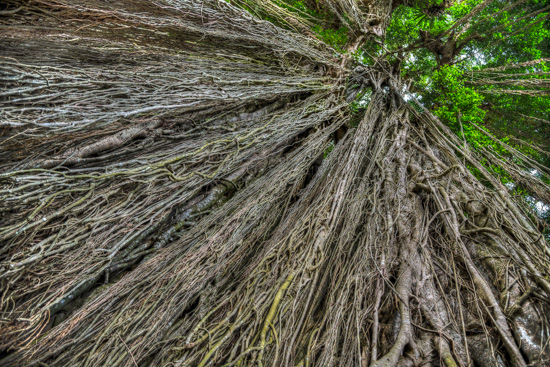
274,183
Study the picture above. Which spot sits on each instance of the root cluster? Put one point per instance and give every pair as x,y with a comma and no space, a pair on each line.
169,196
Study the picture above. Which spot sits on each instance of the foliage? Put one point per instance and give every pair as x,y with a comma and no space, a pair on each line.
337,38
506,105
454,99
457,104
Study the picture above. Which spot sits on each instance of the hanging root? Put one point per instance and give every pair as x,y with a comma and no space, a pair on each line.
170,197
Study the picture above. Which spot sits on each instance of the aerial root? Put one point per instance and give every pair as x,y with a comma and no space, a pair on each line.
230,225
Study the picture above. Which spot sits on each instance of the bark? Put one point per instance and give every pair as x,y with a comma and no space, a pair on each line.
169,197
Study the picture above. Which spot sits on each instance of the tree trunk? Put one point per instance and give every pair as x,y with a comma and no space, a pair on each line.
169,197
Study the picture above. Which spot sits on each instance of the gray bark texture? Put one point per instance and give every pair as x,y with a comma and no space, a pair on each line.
182,184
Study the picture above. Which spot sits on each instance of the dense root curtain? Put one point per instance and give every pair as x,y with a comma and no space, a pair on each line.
192,192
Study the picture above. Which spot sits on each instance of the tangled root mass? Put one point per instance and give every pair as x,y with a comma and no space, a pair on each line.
169,198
